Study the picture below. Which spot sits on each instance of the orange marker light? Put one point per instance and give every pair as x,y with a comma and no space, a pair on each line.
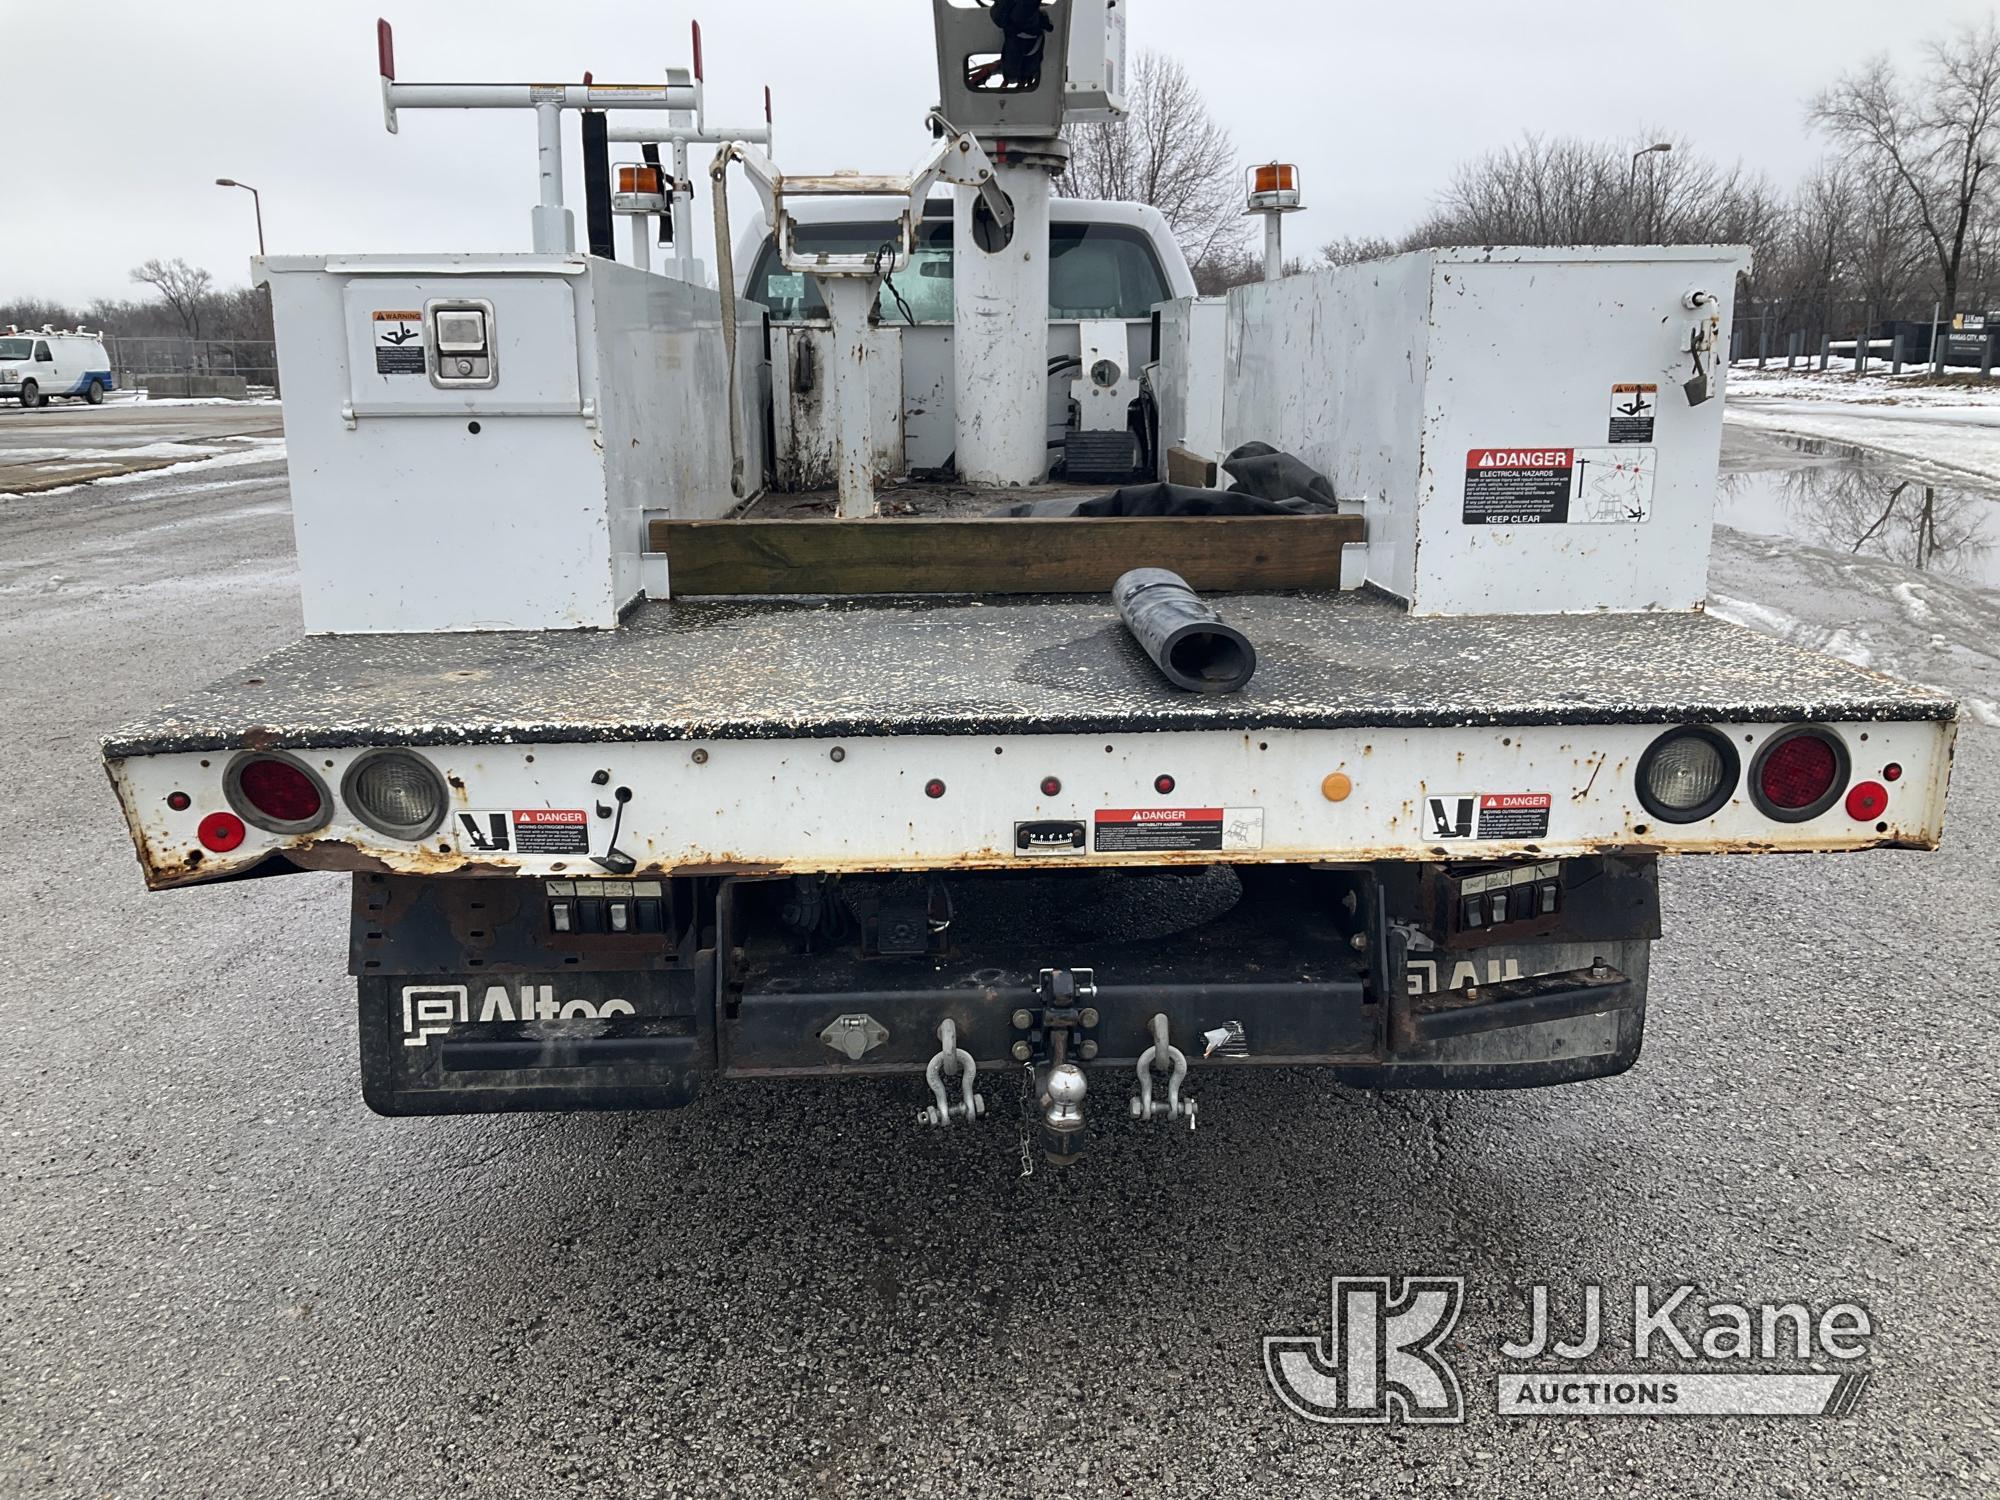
1337,787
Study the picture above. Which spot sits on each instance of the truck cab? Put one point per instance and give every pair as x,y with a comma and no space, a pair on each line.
36,366
1110,264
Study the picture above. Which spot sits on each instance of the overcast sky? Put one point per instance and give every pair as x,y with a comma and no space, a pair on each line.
120,114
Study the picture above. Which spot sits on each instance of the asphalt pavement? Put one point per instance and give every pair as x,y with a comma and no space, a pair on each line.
221,1276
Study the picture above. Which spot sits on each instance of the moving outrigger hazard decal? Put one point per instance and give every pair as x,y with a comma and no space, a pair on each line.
527,830
1488,815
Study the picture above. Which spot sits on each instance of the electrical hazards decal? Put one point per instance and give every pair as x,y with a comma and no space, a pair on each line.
1632,408
399,341
1157,830
1488,815
1553,486
530,830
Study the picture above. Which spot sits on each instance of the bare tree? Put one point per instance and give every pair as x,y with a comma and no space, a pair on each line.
1934,139
185,288
1567,191
1169,152
1348,249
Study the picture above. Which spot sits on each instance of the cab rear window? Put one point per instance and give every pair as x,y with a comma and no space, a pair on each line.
1095,271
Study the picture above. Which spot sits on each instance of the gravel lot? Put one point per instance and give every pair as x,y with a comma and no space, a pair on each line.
223,1276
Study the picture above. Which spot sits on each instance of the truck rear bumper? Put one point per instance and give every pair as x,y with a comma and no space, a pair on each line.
1296,968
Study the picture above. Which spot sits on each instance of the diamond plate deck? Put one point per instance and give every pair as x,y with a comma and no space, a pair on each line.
732,669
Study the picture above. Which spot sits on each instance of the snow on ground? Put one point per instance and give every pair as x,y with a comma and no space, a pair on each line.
229,453
1950,428
1914,387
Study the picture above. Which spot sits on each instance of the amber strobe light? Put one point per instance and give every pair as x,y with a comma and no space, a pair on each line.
1687,774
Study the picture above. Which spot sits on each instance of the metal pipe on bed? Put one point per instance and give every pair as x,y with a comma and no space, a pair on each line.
1186,639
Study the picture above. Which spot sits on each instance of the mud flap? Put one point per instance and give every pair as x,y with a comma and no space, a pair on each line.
464,1044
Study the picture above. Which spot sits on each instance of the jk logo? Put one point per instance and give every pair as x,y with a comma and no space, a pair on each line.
1381,1361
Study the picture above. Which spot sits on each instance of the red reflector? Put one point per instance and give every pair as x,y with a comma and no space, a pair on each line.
1798,773
1892,772
1868,801
1163,784
280,791
179,801
220,831
1050,786
933,788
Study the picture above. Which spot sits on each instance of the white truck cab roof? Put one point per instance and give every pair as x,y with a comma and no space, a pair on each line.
1122,283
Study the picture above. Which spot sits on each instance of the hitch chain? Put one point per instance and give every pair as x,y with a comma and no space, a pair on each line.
1027,1119
1169,1059
953,1060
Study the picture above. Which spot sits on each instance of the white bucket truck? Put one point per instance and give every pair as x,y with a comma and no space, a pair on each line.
644,776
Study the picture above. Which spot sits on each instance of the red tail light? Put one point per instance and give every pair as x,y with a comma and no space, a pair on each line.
1799,774
276,792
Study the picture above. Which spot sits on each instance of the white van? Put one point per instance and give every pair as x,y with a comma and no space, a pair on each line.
36,366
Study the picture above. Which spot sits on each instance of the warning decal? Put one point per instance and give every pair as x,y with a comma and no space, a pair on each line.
1517,486
399,341
1488,815
532,830
1552,486
1152,830
1632,408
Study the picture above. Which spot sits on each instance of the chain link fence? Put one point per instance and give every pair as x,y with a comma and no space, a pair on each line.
241,368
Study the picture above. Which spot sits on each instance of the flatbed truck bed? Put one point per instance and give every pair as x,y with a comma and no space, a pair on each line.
1005,665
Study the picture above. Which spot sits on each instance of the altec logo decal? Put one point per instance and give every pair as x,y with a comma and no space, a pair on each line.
433,1009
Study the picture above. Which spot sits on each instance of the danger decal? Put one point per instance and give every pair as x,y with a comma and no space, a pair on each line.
399,341
1155,830
1555,486
533,830
1487,815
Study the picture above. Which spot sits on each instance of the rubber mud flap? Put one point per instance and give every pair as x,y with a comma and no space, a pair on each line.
572,1040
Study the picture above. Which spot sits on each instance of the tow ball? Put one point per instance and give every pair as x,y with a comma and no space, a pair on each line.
1169,1059
952,1061
1063,1027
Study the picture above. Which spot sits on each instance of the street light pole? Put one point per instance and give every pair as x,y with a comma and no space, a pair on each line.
256,202
1631,196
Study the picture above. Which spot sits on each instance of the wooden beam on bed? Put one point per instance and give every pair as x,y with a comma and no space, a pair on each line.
999,555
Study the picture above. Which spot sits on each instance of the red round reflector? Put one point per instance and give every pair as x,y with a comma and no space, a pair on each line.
1798,772
934,788
1163,784
280,791
220,831
1050,786
1867,801
179,801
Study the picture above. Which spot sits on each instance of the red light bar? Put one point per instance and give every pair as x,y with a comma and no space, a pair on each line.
385,49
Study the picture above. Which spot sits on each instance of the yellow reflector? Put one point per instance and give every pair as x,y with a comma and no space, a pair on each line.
1337,787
